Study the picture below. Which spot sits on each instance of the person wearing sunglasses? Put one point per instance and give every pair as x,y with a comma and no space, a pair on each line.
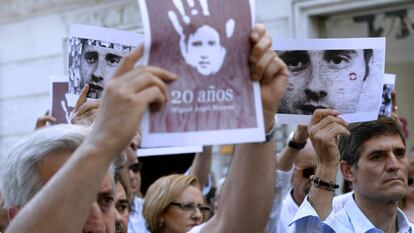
296,163
136,222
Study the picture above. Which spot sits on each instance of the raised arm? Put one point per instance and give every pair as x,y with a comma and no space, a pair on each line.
324,129
75,186
201,165
288,155
246,197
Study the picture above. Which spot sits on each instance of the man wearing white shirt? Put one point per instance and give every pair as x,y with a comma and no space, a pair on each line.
371,155
296,163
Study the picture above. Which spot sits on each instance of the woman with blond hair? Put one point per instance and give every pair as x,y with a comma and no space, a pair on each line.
174,204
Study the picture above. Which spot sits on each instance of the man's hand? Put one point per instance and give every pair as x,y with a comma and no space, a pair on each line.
270,70
324,129
85,112
43,120
126,97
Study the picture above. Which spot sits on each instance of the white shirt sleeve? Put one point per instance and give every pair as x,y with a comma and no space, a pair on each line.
282,188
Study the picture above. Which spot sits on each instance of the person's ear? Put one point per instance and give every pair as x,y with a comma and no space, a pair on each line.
12,212
347,171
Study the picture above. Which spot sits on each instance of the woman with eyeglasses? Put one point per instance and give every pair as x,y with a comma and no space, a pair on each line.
174,204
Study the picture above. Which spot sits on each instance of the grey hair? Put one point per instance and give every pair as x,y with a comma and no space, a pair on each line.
19,178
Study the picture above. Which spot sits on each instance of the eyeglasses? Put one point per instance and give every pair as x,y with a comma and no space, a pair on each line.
136,167
191,206
410,181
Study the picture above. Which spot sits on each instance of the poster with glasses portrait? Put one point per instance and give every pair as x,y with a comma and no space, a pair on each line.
94,55
60,108
387,90
206,44
341,74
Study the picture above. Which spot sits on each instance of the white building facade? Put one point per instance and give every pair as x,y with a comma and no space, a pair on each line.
33,37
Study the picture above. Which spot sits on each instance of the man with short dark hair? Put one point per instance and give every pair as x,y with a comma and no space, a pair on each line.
324,79
371,155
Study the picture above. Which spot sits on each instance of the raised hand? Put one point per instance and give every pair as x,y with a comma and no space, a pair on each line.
126,97
43,120
324,129
85,112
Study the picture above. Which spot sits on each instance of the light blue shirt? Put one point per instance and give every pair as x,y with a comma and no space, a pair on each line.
348,220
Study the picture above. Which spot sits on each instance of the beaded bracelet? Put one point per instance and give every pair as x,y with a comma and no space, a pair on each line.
329,186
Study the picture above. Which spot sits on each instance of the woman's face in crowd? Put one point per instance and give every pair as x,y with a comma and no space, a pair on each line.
181,219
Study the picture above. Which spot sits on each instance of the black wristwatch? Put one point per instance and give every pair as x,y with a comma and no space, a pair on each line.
294,145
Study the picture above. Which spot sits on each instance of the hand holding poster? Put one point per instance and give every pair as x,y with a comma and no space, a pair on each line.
341,74
206,44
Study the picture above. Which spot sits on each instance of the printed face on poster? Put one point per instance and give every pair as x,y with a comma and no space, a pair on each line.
387,90
341,74
206,44
94,55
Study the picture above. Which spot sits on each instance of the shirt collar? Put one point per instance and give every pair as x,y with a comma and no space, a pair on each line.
403,224
362,224
356,217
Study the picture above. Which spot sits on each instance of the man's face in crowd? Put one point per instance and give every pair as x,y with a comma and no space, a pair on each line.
380,174
97,66
121,204
305,166
323,79
102,215
134,165
134,171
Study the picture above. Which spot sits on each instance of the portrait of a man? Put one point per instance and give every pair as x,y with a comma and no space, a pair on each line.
324,79
200,46
206,43
93,62
94,53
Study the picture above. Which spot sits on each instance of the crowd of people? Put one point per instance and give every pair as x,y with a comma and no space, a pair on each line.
85,177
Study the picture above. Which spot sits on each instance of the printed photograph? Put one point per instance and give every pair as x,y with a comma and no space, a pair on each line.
340,79
94,55
60,108
387,90
206,43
